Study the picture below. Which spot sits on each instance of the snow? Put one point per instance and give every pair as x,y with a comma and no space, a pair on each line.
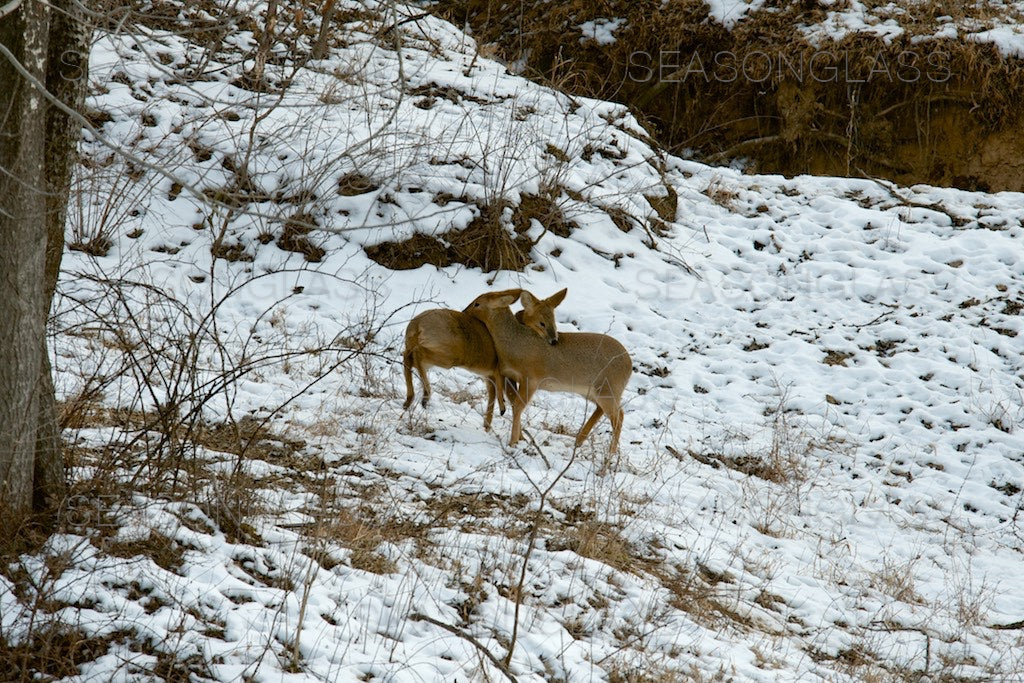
601,31
730,12
822,452
1009,39
995,23
855,18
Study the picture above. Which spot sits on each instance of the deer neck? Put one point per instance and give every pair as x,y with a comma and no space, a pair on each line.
501,323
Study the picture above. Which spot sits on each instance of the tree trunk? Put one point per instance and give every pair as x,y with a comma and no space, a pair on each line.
22,251
66,79
37,143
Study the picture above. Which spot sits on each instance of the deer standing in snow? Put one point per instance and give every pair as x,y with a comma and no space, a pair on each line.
594,366
445,338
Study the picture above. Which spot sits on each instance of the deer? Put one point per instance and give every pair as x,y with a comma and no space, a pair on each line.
594,366
445,338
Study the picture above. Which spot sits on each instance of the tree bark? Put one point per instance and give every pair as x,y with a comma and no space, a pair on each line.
37,143
22,251
66,79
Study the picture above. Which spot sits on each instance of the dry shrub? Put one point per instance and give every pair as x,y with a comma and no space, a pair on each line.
486,243
293,237
164,551
53,651
352,184
495,240
362,537
599,541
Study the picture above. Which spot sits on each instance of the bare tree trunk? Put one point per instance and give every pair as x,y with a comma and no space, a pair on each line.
66,79
37,142
22,251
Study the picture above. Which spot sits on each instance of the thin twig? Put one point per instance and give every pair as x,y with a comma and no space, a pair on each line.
502,667
530,546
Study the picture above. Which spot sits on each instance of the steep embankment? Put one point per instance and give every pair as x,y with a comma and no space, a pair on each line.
909,91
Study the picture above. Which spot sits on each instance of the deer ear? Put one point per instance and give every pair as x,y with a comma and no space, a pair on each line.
529,300
507,297
557,298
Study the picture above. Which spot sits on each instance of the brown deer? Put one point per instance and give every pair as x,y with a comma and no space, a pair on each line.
594,366
445,338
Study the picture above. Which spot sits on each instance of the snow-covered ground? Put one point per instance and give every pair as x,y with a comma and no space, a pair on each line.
822,461
985,21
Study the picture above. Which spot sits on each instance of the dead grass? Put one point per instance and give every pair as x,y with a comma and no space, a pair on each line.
53,651
665,205
545,209
246,436
231,251
896,579
704,595
833,357
488,243
165,552
231,501
352,184
601,541
250,437
721,194
650,672
294,237
495,240
100,245
363,536
470,510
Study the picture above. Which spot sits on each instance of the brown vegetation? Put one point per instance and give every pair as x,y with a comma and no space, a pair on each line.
490,241
940,111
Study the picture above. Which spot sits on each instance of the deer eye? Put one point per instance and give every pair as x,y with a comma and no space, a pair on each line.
543,325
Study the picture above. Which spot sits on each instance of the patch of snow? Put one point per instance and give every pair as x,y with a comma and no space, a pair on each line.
602,31
1009,39
730,12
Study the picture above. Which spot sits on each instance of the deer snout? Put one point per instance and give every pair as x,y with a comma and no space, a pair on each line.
553,341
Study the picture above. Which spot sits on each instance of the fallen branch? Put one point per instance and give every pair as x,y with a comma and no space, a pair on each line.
469,639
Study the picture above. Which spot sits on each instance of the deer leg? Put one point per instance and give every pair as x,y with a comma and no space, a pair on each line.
424,380
498,382
521,399
616,430
509,388
581,436
407,371
489,381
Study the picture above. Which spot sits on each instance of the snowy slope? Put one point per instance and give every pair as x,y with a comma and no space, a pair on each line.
823,456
